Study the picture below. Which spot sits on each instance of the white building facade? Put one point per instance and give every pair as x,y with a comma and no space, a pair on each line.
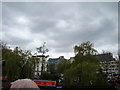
110,67
38,64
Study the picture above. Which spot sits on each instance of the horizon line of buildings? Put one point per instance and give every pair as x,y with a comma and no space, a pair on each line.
108,64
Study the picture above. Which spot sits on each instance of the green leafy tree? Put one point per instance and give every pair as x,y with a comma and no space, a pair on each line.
85,70
52,68
26,62
85,74
86,48
18,63
49,76
12,69
63,66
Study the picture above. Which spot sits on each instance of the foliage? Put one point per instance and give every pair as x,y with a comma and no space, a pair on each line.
52,72
55,69
85,70
84,74
18,63
11,68
43,51
26,62
64,65
52,68
89,58
49,76
86,48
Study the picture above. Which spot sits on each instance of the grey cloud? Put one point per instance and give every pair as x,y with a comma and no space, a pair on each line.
119,28
68,39
42,25
81,22
16,41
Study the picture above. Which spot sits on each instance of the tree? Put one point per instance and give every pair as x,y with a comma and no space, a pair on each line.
85,70
86,48
84,51
51,68
18,63
10,67
26,62
42,49
85,74
51,73
63,66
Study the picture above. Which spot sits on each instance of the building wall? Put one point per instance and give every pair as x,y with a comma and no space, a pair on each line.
110,67
56,61
39,65
71,59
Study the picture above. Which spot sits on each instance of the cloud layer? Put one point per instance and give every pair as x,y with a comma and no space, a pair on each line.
62,25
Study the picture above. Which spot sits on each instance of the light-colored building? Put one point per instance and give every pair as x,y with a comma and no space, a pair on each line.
72,59
108,64
38,64
110,67
113,67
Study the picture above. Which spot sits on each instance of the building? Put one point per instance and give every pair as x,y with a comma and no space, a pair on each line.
105,57
72,59
108,64
101,57
38,64
110,67
55,61
113,67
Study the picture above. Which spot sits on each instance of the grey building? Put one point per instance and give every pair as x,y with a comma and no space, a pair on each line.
110,67
108,64
55,61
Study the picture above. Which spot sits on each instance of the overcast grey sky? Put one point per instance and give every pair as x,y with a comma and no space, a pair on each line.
61,25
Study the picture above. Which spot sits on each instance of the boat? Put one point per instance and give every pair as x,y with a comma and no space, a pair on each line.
45,83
